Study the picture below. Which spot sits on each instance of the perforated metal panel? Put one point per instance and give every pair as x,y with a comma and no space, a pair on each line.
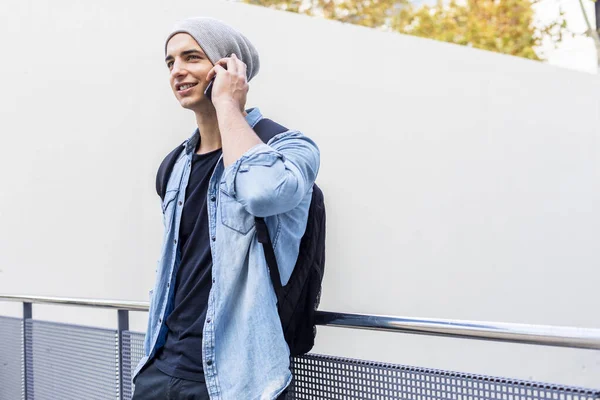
324,377
70,362
73,362
11,359
133,351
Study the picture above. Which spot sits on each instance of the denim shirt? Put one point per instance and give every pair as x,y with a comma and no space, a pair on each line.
245,353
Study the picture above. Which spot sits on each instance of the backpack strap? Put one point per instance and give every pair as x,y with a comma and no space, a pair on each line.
164,171
266,129
263,237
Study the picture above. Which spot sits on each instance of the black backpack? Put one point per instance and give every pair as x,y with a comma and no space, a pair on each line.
298,300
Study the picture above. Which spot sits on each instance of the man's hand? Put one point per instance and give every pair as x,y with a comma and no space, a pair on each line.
229,92
230,87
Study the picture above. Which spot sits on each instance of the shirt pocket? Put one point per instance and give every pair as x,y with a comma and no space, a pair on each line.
169,200
234,215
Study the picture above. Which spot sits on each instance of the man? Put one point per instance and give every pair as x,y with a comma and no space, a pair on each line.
213,327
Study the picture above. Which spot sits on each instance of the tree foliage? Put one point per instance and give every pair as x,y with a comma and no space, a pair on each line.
504,26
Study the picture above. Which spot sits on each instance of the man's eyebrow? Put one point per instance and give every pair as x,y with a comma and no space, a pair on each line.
185,53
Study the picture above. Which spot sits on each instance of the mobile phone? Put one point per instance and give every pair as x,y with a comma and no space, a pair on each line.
208,90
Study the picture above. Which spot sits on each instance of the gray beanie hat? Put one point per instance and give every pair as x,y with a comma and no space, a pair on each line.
219,40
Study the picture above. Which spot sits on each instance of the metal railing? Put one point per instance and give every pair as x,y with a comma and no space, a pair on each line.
125,341
583,338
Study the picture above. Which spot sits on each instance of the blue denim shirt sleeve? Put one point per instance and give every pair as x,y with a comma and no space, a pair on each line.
273,179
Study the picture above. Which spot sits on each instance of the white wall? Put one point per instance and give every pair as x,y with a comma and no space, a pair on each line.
459,183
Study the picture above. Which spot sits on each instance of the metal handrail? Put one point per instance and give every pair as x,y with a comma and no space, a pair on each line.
69,301
583,338
544,335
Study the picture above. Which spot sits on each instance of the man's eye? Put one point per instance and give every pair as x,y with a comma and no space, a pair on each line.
193,57
169,64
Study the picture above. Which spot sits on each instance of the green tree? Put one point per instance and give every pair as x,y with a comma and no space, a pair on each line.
504,26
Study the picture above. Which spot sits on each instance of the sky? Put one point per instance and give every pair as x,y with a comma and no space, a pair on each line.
575,53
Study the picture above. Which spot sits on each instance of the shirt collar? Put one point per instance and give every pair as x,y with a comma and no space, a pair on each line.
253,115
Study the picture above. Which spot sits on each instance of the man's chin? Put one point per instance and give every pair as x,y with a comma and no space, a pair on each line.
193,104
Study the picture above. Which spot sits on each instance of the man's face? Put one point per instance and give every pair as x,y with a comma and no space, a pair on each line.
188,66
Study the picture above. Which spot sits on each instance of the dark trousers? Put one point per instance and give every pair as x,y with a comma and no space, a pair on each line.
153,384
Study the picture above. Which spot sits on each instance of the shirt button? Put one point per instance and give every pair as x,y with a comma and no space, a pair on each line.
208,321
168,284
213,280
209,362
213,198
180,203
160,320
214,238
175,241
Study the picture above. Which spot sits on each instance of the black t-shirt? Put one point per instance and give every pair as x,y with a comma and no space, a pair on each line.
181,356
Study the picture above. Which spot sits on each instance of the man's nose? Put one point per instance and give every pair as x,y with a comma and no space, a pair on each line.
177,71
